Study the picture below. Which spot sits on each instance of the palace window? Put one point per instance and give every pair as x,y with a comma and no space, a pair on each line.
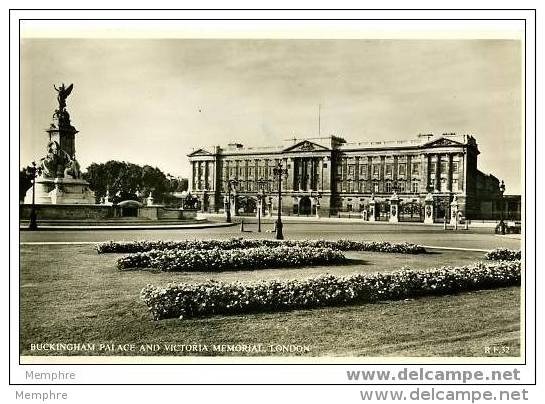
250,171
376,170
350,186
363,171
362,186
375,187
338,187
402,186
443,167
388,187
389,170
444,184
416,169
454,167
339,169
402,169
351,169
250,186
241,171
415,187
260,171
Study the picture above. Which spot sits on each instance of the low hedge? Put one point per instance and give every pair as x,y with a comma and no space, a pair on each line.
236,243
503,254
221,260
195,300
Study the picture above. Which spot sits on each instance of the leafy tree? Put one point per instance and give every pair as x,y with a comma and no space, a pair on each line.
128,181
25,182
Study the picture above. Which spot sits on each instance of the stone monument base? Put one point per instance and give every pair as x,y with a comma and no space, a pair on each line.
61,191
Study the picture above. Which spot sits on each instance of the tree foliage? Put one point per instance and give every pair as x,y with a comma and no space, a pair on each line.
129,181
25,181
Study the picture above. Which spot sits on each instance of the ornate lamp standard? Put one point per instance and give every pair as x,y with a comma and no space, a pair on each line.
230,183
261,183
502,225
279,172
35,171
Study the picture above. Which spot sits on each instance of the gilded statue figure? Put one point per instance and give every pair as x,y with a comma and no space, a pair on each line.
62,94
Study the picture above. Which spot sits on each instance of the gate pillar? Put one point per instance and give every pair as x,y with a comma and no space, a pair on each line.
372,209
394,208
428,209
454,212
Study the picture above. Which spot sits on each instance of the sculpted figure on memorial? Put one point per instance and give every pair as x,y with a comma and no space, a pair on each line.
58,164
73,169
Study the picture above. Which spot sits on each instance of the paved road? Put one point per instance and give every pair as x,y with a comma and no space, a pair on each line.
424,235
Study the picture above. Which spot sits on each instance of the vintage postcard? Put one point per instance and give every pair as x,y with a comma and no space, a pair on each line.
285,192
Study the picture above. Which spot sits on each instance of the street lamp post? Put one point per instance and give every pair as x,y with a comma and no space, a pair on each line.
502,225
446,205
260,198
230,183
279,172
33,224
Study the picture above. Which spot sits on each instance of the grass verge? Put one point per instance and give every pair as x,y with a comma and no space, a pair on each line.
70,294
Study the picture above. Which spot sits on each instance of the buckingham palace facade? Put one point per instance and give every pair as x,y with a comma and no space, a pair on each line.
329,176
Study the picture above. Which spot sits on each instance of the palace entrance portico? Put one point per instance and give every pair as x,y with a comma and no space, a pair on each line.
309,177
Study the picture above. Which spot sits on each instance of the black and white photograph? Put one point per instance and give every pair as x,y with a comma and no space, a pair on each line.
273,198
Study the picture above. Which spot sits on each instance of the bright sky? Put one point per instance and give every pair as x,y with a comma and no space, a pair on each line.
153,101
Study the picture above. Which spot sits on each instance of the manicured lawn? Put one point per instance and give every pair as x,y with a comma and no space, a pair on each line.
70,294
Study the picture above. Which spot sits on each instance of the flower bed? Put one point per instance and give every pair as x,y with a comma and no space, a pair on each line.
220,260
241,243
196,300
503,254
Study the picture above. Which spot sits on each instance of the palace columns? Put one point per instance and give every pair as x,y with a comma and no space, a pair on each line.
315,173
193,175
206,174
199,169
449,175
311,164
428,171
437,172
289,164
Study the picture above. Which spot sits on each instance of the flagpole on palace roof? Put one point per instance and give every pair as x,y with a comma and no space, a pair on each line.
319,119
